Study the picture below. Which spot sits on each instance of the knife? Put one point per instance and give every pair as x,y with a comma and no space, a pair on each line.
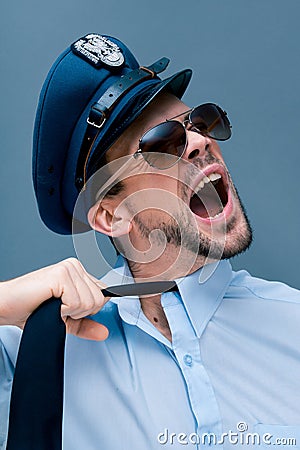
136,289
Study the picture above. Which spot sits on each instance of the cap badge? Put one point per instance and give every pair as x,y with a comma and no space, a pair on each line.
98,50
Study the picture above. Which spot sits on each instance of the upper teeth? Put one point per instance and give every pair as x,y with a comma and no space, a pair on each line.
207,179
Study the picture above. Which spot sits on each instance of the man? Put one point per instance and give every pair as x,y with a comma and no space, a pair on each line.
214,363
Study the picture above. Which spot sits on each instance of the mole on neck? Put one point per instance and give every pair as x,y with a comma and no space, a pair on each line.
154,312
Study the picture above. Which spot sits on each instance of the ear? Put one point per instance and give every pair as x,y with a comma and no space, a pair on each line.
107,219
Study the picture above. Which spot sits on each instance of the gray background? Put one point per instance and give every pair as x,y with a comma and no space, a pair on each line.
245,56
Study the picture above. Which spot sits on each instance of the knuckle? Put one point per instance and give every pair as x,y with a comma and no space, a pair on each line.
67,267
91,304
73,262
62,269
71,259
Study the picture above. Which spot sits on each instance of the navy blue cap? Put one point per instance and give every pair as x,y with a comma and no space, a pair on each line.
92,93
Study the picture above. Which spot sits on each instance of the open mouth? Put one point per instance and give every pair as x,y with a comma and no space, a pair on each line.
211,196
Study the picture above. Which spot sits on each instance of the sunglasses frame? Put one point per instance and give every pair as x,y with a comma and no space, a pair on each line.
184,124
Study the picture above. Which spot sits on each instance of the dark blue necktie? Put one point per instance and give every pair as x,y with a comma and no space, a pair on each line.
36,407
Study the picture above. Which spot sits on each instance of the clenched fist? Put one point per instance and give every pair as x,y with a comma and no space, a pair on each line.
79,291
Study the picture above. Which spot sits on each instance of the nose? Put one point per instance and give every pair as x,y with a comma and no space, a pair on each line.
197,145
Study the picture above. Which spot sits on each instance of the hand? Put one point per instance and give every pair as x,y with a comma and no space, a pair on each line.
79,291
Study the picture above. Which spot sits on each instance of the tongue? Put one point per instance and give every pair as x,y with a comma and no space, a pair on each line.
208,206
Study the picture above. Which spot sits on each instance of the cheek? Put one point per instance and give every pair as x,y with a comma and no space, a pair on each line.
151,183
154,198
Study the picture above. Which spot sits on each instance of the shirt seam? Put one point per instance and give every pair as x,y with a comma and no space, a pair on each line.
264,298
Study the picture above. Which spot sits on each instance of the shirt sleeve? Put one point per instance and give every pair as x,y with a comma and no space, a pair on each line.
9,344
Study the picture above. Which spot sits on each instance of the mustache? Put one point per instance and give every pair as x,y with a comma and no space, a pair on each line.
199,164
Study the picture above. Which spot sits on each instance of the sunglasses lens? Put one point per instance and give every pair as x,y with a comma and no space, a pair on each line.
210,120
164,144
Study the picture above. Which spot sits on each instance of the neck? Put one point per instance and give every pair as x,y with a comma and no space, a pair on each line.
154,312
169,266
172,264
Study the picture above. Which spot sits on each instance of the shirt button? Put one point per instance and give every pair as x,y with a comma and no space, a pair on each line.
188,360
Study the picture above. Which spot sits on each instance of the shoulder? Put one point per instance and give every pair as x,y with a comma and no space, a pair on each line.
243,284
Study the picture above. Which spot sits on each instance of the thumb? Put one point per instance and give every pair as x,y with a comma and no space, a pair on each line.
86,329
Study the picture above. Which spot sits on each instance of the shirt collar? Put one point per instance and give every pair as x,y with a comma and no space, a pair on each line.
201,292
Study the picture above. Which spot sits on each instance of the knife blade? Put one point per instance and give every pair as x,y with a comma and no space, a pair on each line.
136,289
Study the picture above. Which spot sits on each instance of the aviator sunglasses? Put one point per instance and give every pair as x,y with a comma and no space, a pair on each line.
163,145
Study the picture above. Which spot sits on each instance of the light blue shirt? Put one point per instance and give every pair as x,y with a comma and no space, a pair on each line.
233,367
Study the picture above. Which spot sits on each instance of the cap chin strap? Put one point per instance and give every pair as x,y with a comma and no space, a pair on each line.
101,110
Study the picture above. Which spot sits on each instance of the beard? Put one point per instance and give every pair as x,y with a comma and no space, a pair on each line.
178,231
175,226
